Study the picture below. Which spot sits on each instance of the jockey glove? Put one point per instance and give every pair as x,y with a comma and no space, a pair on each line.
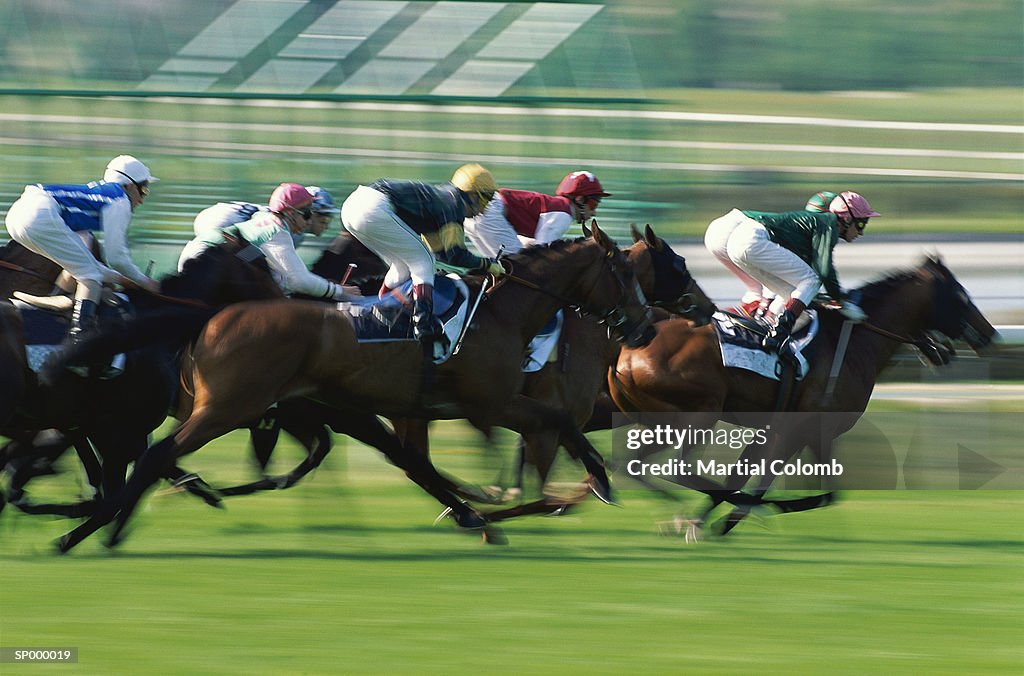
496,269
852,311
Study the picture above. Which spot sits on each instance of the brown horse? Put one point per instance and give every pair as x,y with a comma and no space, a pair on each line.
25,270
577,381
572,383
117,415
254,354
681,369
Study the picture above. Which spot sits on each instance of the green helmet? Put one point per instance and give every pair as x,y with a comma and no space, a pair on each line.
820,201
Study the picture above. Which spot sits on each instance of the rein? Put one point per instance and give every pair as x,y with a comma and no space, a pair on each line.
615,316
167,299
14,267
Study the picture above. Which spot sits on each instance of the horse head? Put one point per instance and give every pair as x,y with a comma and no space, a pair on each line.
220,275
615,295
665,279
953,313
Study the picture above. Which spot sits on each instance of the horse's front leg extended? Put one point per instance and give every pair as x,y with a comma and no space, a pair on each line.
526,415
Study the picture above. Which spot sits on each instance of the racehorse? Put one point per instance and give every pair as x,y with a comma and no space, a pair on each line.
681,370
572,383
254,354
25,270
117,415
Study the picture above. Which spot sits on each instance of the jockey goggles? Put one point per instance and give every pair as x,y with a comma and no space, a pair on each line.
143,187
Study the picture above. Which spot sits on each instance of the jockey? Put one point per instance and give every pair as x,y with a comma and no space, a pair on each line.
56,221
408,223
759,306
224,214
790,254
271,229
820,201
518,218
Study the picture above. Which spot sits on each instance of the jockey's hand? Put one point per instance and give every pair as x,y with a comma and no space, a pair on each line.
496,269
150,285
852,311
351,290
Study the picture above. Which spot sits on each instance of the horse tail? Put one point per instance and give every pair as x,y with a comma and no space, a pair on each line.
171,327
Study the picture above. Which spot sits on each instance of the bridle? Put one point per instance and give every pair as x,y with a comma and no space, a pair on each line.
614,318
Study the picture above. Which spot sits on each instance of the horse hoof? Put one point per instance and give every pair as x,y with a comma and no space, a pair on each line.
471,520
494,536
445,513
600,487
64,544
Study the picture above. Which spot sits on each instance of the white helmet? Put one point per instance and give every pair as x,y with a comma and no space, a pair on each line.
125,169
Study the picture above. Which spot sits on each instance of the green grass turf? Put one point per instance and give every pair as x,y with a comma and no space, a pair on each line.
345,574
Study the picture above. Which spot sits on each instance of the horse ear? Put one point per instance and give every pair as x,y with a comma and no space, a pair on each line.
652,239
606,243
635,233
586,231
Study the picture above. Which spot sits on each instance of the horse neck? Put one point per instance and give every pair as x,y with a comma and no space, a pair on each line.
902,313
565,277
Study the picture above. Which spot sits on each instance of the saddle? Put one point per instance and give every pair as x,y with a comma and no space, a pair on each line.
740,339
46,321
389,319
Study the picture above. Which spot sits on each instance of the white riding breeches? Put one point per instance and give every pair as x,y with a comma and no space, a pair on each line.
34,222
744,247
370,217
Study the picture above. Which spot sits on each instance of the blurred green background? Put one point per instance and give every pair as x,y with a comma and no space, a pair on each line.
683,109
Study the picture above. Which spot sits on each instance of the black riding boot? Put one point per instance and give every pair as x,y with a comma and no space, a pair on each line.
426,327
778,334
83,322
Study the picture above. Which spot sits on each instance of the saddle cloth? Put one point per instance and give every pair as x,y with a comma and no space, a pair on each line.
45,330
542,347
741,345
389,319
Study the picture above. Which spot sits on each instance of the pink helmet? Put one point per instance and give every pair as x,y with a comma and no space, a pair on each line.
290,195
852,204
580,184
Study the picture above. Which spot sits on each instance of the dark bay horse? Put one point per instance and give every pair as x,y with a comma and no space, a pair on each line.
116,416
254,354
572,383
577,381
681,369
24,270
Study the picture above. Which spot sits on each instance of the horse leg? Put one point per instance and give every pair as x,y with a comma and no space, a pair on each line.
369,430
263,438
526,415
204,425
314,437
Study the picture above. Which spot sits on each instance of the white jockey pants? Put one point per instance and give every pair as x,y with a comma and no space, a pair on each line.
370,217
743,246
34,222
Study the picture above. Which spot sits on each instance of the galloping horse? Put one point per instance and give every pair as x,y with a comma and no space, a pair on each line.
571,384
681,370
117,415
575,383
254,354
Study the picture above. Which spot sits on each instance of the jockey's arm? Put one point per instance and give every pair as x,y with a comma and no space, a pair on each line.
491,232
116,217
291,273
449,245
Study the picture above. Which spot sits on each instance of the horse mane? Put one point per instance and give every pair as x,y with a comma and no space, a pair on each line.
881,288
543,251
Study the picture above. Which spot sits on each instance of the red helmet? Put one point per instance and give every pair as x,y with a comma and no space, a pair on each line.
580,184
290,195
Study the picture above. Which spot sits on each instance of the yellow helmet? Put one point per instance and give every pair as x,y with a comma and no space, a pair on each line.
475,180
